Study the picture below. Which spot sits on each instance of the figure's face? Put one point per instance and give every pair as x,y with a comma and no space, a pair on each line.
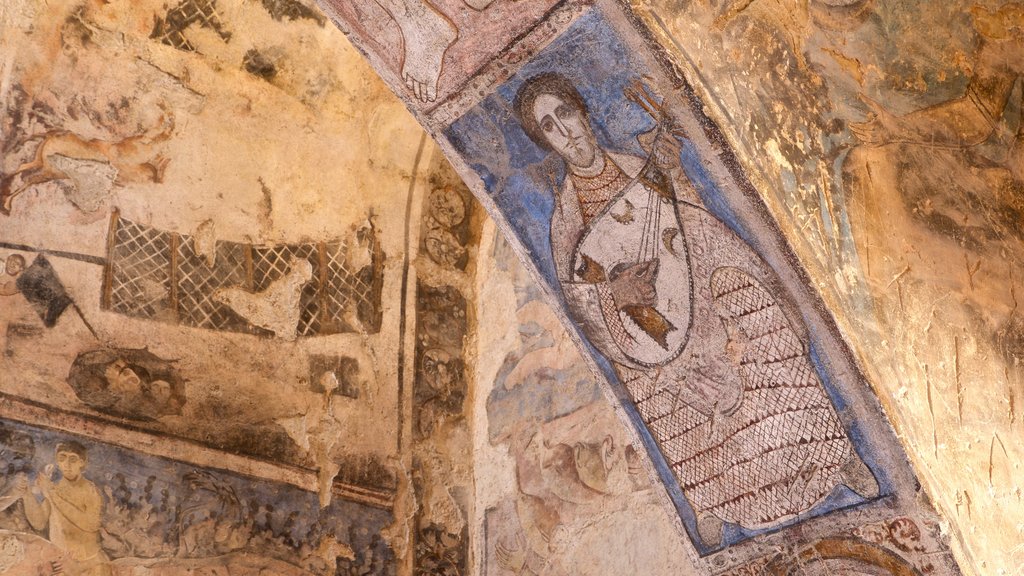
602,466
122,378
14,266
160,391
70,465
566,129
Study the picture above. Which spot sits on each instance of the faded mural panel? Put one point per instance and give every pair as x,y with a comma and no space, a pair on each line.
432,50
891,155
183,257
82,508
441,431
569,489
194,278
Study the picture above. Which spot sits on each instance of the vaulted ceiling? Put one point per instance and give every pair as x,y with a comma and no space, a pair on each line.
320,301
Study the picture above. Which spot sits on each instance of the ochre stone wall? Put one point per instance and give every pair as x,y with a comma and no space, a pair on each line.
251,320
886,139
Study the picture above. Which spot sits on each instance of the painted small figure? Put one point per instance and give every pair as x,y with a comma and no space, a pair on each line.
13,267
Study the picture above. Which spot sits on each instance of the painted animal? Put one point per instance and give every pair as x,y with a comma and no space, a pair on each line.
276,308
133,158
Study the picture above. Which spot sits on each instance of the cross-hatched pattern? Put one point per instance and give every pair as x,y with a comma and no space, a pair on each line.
736,291
270,263
197,282
795,371
171,28
143,271
782,448
351,296
140,271
639,383
741,298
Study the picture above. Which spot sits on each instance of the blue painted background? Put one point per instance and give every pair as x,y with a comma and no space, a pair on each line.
145,493
521,178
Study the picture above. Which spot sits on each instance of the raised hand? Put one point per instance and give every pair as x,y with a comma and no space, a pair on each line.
43,482
663,148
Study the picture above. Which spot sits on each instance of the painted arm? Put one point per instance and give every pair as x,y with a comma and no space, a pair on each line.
16,491
37,513
964,121
666,151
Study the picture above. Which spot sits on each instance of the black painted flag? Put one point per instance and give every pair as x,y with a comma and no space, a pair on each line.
42,288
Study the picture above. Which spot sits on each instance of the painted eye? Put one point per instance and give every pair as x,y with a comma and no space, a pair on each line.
547,125
564,111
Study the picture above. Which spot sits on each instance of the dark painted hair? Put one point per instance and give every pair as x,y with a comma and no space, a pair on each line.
546,83
73,447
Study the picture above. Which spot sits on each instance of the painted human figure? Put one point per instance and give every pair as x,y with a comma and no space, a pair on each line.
718,371
13,267
71,510
133,384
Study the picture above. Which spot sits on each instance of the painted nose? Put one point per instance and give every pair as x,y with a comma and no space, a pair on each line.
563,129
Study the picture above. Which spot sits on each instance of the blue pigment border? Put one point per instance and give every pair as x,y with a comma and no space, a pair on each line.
517,175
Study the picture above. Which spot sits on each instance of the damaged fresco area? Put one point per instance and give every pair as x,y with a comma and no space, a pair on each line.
891,156
443,475
442,43
567,491
742,396
186,269
81,508
285,291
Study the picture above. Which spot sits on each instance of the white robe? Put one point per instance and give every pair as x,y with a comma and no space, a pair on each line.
740,414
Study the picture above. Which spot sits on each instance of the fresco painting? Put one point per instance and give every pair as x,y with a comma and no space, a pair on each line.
577,475
672,298
192,311
157,280
687,261
428,49
710,351
82,508
442,480
889,154
441,57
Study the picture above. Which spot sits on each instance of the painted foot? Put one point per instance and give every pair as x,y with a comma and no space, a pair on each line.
857,477
710,529
427,34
